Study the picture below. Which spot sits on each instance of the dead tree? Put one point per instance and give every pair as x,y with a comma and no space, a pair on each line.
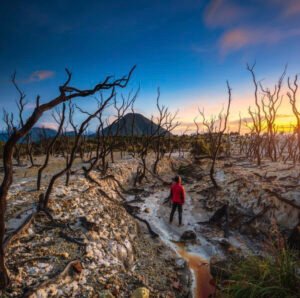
60,119
30,149
256,116
282,145
82,147
66,93
240,137
70,137
43,142
142,150
9,120
216,128
104,142
78,134
292,95
107,137
182,142
132,136
94,160
99,148
165,125
271,102
119,124
151,139
198,145
292,148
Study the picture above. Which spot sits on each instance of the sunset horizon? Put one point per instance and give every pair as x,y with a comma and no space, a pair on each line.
187,50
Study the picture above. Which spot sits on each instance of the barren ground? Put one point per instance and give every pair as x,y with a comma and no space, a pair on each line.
116,254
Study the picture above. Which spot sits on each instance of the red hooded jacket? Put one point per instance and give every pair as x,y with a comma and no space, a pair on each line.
177,193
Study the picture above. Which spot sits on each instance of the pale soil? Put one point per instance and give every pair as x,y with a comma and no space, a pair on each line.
143,261
118,255
244,189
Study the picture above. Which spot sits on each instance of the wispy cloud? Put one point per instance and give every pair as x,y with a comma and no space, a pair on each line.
40,75
220,13
238,38
292,8
288,8
224,13
244,26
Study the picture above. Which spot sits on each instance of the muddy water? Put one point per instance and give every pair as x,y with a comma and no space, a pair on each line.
203,279
197,262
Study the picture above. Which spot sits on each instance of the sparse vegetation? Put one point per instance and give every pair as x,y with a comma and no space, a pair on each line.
275,276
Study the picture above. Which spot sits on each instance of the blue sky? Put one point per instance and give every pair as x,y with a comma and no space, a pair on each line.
187,48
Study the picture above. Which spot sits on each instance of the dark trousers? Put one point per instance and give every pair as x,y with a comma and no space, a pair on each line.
174,207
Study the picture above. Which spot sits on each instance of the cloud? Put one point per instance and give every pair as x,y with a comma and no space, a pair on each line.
45,124
220,13
291,8
288,8
238,38
225,13
245,23
40,75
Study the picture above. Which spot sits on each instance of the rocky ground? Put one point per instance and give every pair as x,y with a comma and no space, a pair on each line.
95,248
253,208
92,248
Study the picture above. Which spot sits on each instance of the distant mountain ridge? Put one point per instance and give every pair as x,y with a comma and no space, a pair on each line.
142,126
36,134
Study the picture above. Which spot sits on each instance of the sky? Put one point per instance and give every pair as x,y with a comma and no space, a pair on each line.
189,49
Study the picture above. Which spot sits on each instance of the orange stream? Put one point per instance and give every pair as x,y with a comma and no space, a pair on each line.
200,267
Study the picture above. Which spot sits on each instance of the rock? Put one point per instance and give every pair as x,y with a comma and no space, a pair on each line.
94,235
117,236
141,293
30,231
106,294
180,263
52,290
41,293
147,210
65,255
294,238
77,267
188,236
89,225
228,246
176,285
224,242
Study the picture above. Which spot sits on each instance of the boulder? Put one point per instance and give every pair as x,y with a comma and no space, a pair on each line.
188,236
141,293
180,263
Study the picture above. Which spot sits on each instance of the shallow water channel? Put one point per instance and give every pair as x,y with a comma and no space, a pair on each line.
203,281
196,255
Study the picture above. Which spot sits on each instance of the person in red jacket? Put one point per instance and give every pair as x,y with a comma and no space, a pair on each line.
177,195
